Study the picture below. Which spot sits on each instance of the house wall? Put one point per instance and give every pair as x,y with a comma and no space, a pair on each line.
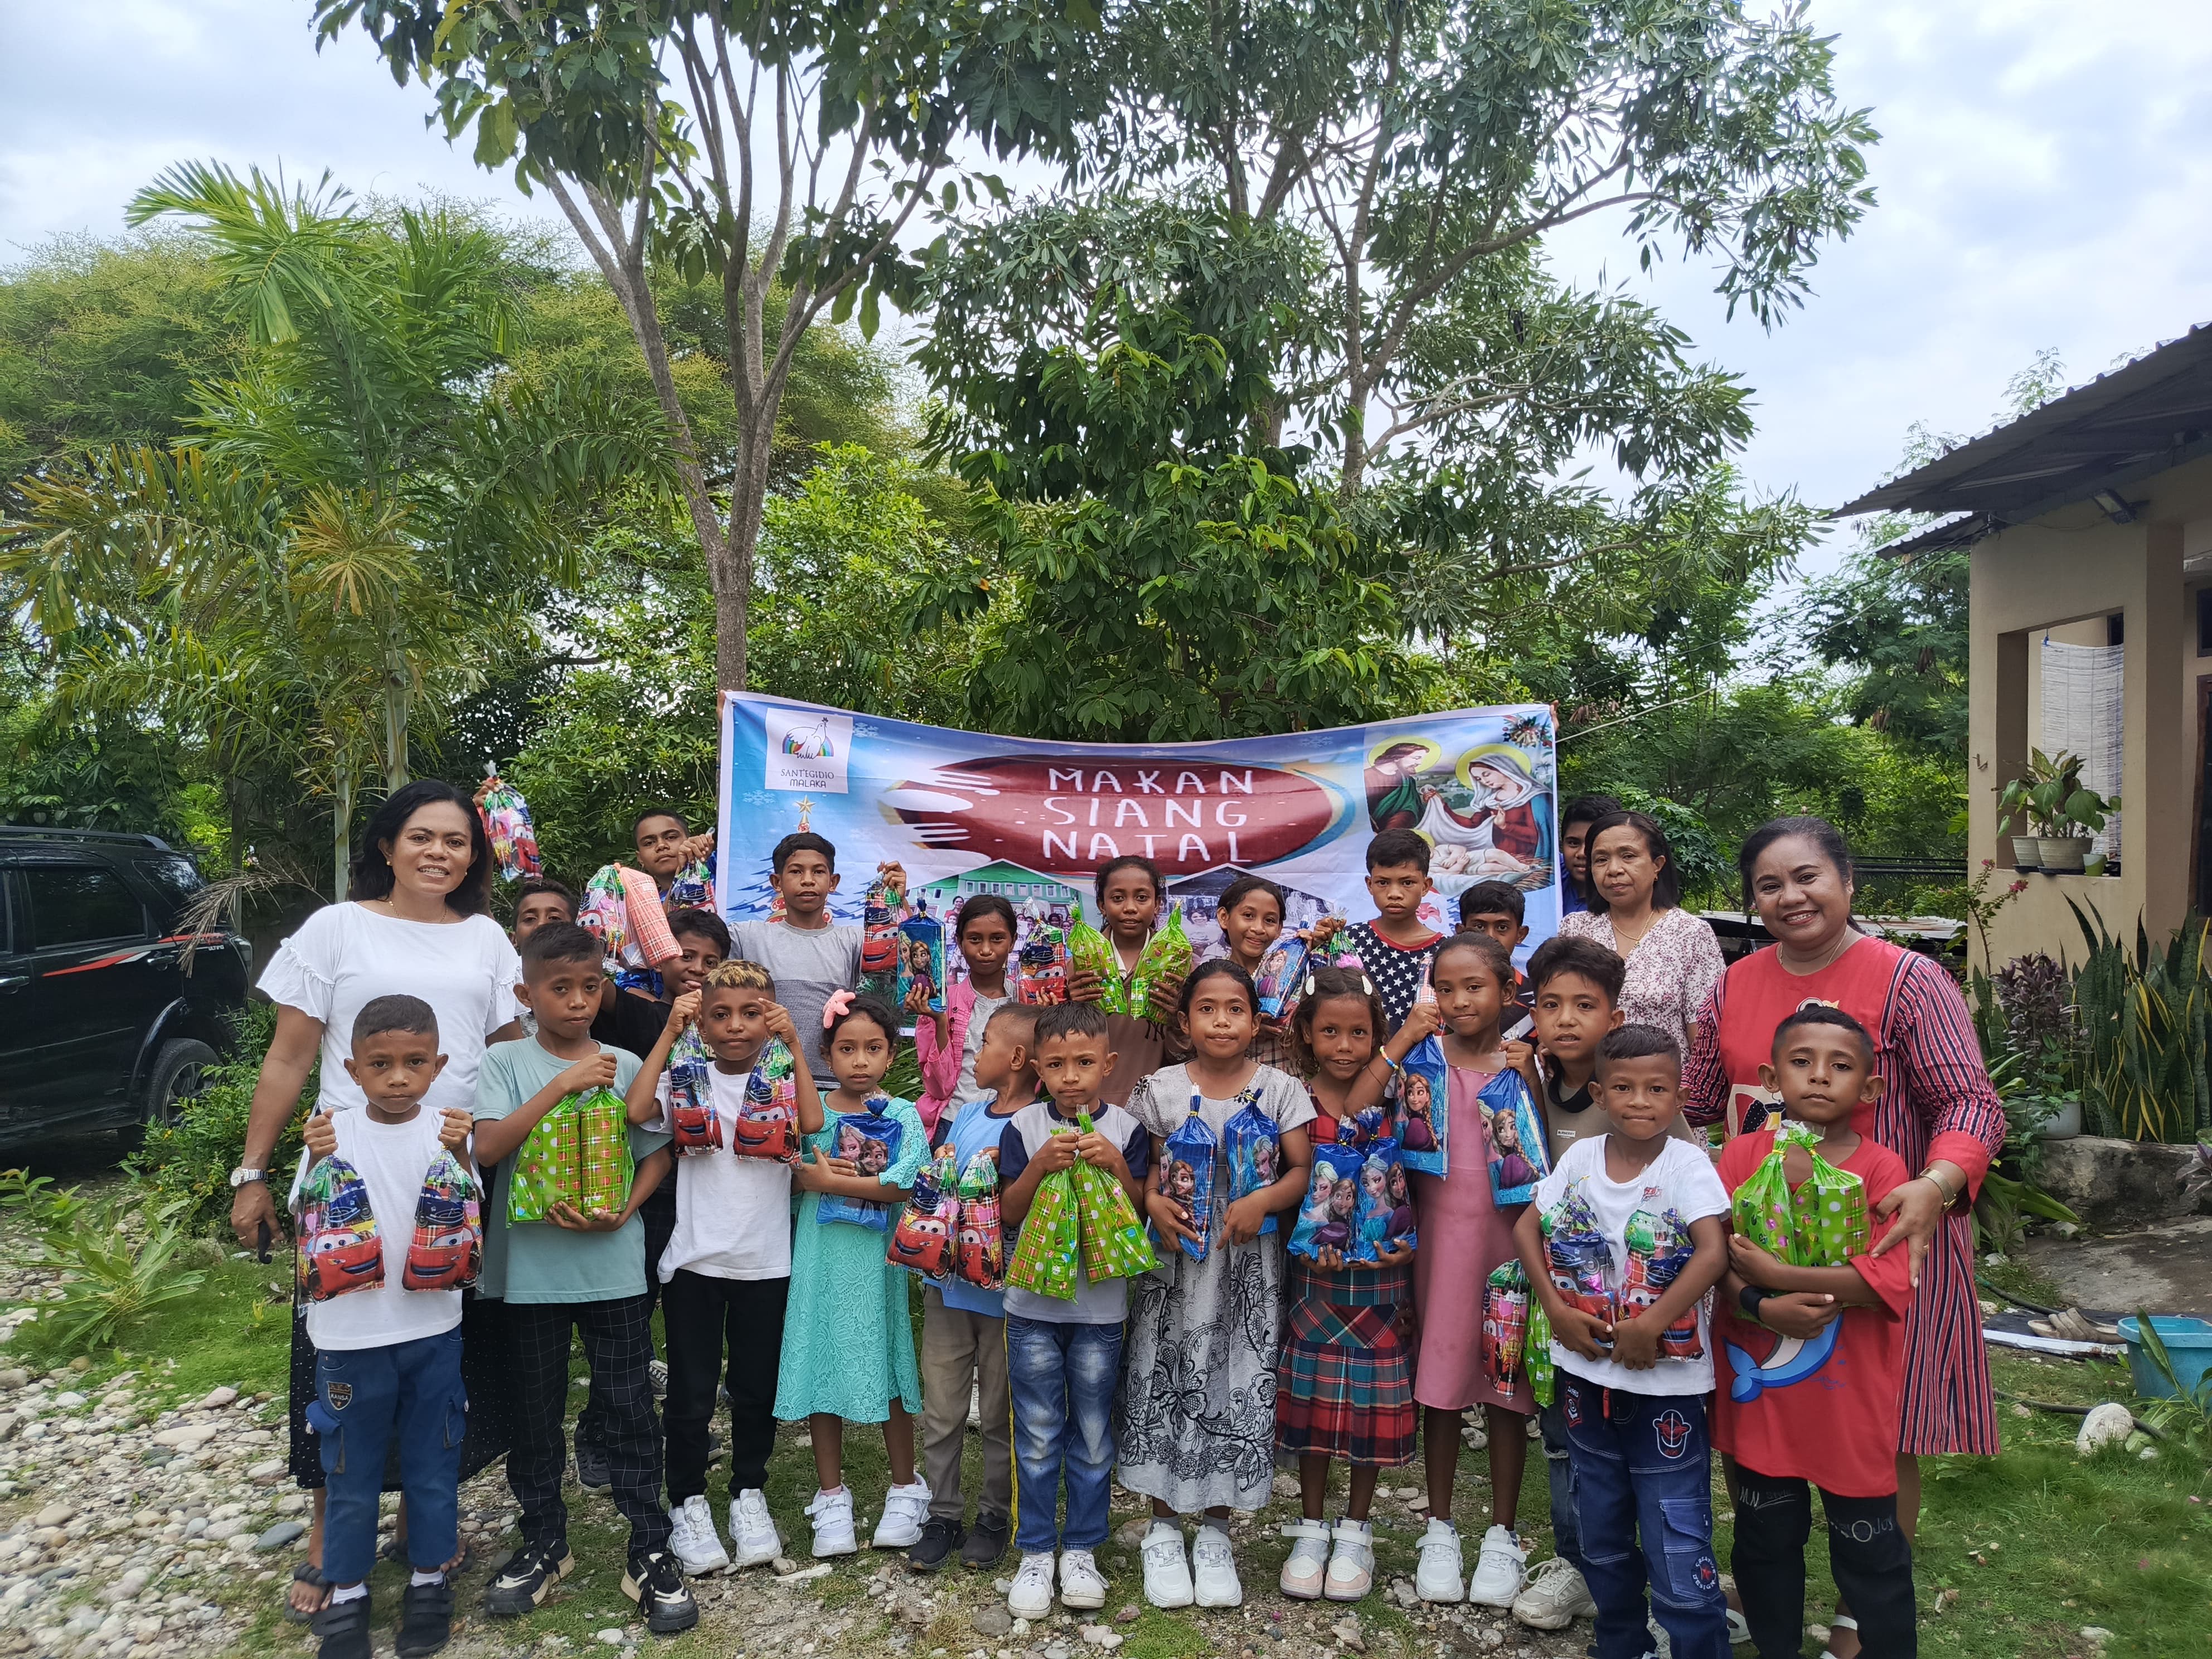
2072,568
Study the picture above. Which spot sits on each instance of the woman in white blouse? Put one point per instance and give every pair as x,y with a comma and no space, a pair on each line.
414,921
1635,910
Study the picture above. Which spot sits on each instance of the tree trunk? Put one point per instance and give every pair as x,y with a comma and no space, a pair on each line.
398,684
341,828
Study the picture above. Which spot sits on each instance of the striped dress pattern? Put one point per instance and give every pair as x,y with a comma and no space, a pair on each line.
1937,1102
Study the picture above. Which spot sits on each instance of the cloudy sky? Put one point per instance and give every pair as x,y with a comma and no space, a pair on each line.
2043,178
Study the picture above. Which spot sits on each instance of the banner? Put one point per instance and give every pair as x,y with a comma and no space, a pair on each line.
1034,821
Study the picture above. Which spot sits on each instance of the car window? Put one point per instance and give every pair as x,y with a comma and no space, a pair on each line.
75,903
173,877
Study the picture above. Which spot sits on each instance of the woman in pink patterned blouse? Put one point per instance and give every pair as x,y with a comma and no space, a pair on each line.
1636,910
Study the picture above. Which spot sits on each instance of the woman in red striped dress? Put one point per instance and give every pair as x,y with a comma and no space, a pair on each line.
1938,1110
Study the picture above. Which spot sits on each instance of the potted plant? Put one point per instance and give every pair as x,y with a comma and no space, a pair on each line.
2061,815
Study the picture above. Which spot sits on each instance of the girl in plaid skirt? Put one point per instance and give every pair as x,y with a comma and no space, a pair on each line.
1344,1384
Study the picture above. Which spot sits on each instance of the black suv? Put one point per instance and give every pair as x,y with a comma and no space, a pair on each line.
104,1022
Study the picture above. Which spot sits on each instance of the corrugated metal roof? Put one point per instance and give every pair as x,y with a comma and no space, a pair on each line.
2154,414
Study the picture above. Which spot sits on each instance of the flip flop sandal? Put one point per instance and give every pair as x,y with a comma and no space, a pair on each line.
306,1573
396,1550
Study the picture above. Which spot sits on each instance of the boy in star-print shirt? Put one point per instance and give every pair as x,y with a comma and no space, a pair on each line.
1397,948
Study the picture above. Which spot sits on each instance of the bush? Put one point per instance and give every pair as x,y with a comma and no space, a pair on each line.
116,1257
191,1160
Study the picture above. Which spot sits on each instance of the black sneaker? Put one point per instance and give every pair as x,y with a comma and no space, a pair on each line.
529,1573
425,1618
654,1583
939,1538
342,1628
987,1544
592,1472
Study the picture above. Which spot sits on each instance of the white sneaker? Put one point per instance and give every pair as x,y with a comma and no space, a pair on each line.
1031,1595
692,1540
753,1536
656,1373
1082,1586
1307,1570
905,1508
1437,1577
1213,1568
1498,1572
1351,1562
1555,1598
832,1515
1167,1574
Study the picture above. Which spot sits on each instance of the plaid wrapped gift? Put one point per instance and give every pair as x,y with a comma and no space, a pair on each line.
1112,1240
577,1154
1048,1257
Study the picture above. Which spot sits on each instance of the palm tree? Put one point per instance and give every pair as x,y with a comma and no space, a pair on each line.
371,505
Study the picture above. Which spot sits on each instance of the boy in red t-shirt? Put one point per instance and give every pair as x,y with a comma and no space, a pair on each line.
1810,1392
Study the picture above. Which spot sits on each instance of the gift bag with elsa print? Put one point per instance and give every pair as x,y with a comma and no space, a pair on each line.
1186,1177
1328,1215
1517,1157
1113,1242
1424,1108
869,1141
1252,1147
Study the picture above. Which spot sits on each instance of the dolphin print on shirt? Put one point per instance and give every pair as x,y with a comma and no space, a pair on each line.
1793,1359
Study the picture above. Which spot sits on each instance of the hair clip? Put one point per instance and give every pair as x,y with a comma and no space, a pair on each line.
1309,985
838,1003
1367,985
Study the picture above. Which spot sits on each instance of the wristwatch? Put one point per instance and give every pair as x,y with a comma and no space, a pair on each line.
245,1174
1749,1298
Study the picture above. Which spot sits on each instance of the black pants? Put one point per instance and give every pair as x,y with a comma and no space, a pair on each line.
1867,1553
618,1342
658,1214
721,1330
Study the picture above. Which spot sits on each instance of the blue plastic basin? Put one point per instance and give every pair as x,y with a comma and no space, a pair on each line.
2188,1345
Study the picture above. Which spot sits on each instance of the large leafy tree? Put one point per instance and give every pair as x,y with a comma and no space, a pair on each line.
368,509
779,150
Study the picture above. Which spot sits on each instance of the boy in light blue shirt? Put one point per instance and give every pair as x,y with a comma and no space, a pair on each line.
963,1327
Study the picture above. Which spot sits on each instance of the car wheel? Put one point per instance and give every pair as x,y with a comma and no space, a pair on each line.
179,1071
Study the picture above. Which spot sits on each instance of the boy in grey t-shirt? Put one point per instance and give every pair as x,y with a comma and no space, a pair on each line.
810,957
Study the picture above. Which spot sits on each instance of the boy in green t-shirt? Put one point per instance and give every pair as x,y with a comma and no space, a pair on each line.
574,1271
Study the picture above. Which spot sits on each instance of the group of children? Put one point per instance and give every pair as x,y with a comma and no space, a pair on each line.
1189,1381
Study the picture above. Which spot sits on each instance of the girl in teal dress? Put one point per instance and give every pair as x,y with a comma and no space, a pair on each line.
848,1345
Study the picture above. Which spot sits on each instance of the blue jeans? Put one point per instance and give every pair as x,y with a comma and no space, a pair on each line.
1566,1536
1062,1380
1640,1471
362,1397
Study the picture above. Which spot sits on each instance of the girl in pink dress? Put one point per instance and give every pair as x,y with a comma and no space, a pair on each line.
1464,1236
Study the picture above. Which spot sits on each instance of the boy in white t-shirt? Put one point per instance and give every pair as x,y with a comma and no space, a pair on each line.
726,1273
388,1360
1634,1356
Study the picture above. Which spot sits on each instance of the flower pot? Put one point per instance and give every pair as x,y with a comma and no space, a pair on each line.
2025,853
2061,855
2064,1124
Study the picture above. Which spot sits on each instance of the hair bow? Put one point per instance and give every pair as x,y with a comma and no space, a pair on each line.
838,1003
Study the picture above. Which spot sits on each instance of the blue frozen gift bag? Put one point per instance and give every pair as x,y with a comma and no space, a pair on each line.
1253,1148
870,1141
1186,1176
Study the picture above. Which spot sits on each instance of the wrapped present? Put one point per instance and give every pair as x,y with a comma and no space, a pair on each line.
1504,1325
1515,1131
1536,1354
1252,1147
1089,951
1048,1254
869,1140
921,958
768,1123
1579,1259
1328,1215
446,1252
922,1239
979,1247
1186,1177
1383,1217
1111,1238
507,824
693,1125
1040,965
649,935
341,1247
577,1154
1823,1224
879,932
1167,956
1424,1108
